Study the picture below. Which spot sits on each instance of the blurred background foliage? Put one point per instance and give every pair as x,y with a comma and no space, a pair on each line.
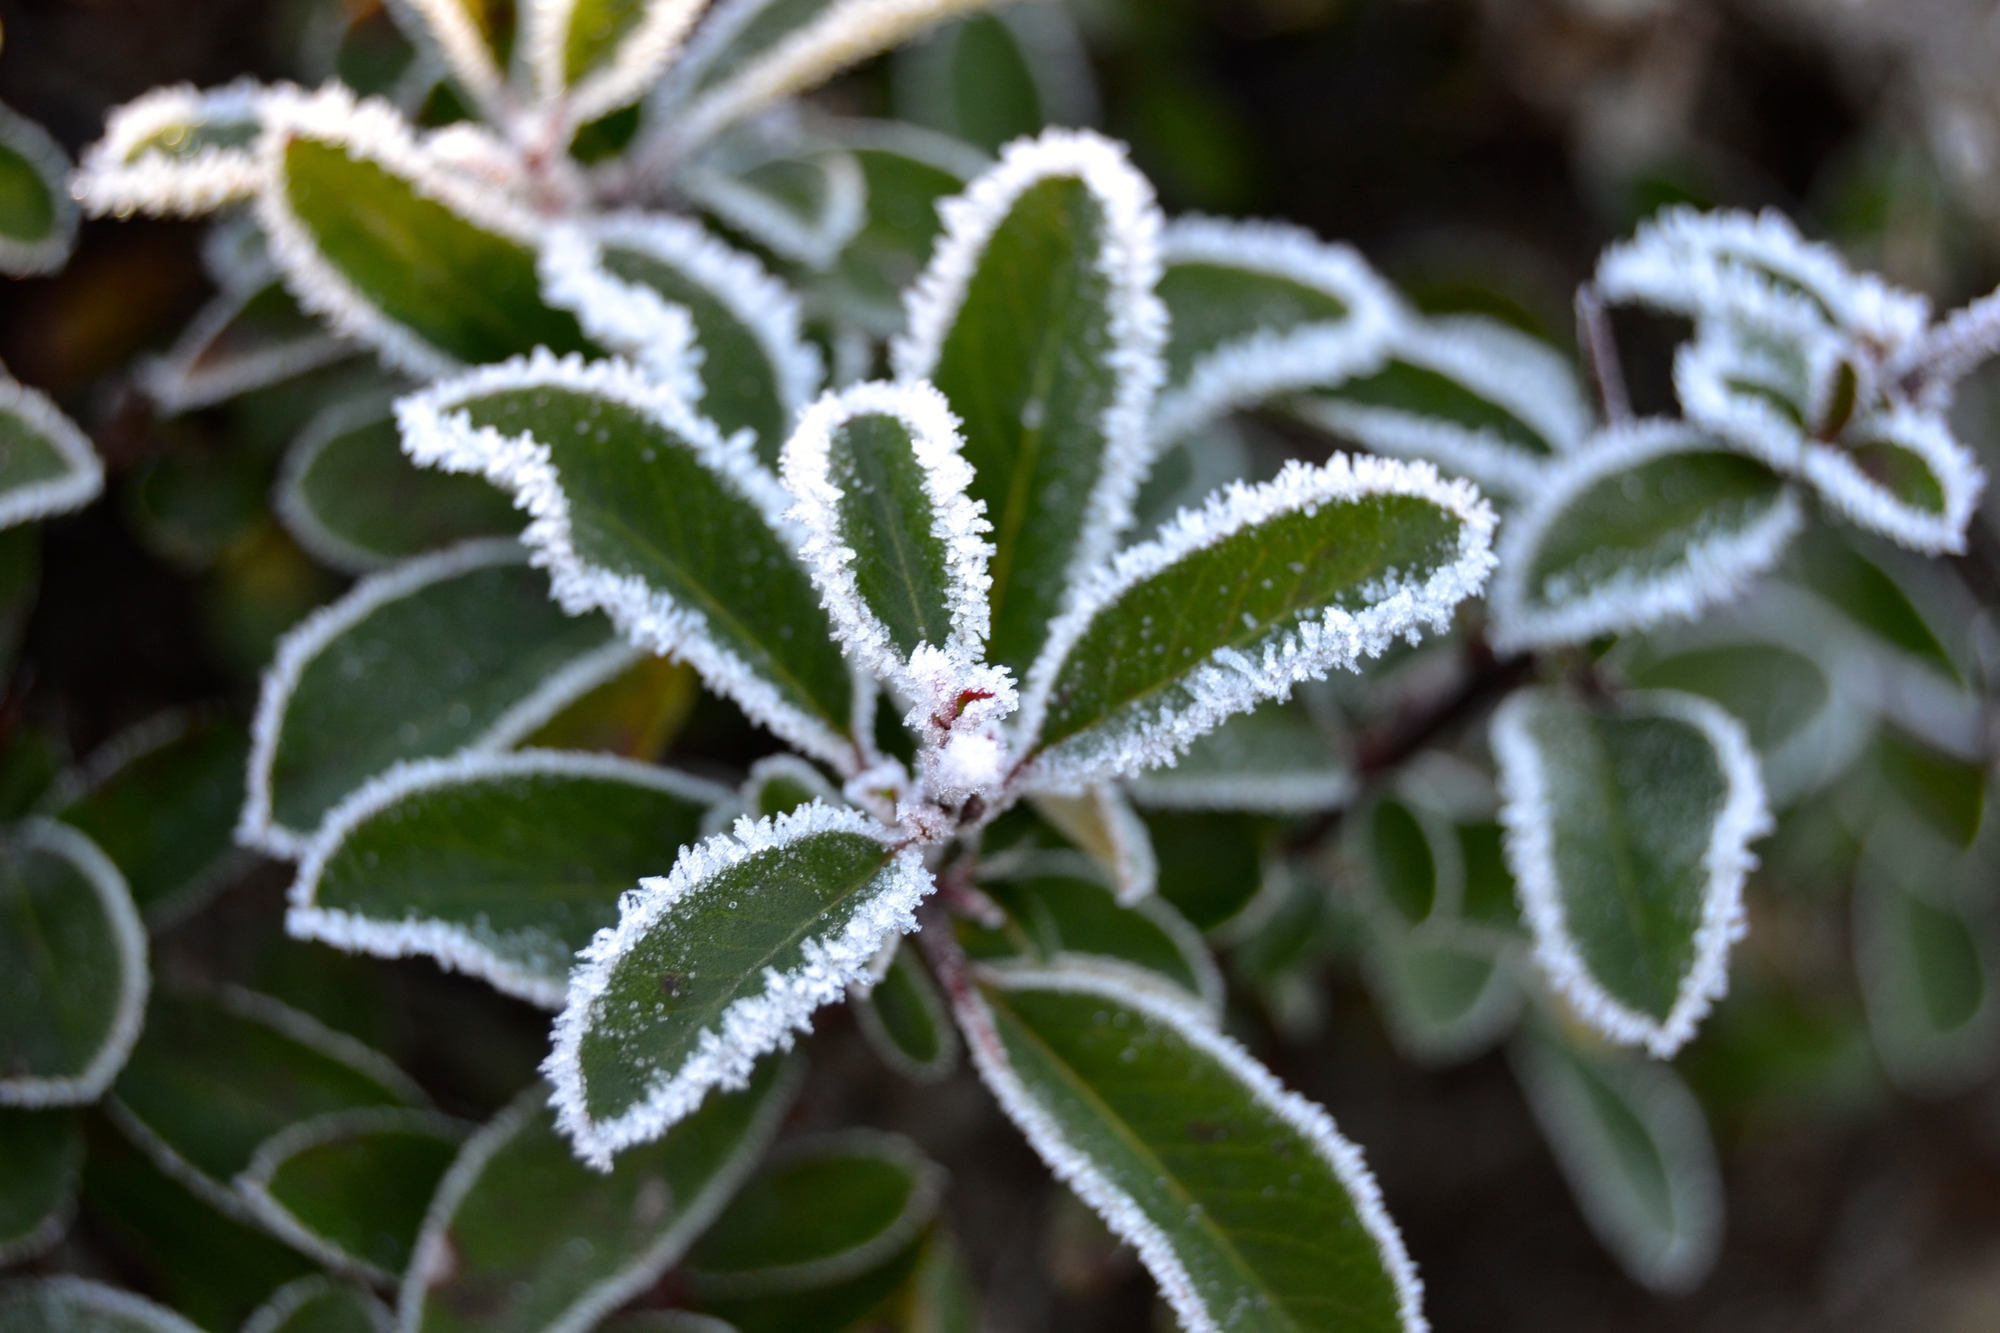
1480,152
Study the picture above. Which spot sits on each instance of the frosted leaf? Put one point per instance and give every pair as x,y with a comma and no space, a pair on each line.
1117,726
1687,817
36,239
1654,520
806,224
1903,474
624,1067
176,151
240,341
1233,368
48,466
453,32
591,83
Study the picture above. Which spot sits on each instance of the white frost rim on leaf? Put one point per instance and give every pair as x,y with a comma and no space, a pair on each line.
96,1298
1727,862
1075,1168
288,494
296,1295
1229,681
448,29
955,522
1247,370
453,947
815,241
1699,264
1105,827
1673,1119
116,178
1716,568
861,998
841,34
630,319
19,255
636,64
784,768
1129,259
82,483
254,1181
438,433
920,1205
432,1260
1868,504
128,939
751,1026
1481,1023
176,383
368,130
858,134
305,641
759,302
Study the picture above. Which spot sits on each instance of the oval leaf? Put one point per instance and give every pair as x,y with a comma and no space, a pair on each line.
695,313
500,866
214,1078
348,495
1632,1142
1653,521
68,1304
1265,587
176,151
393,247
455,651
41,1160
895,546
351,1188
904,1018
644,510
1258,309
467,38
1903,474
1928,970
1446,992
600,55
499,1250
1629,826
1063,915
1240,1196
46,464
1038,322
37,215
73,974
720,962
822,1210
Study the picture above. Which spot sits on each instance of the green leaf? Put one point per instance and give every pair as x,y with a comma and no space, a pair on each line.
1275,759
1037,320
844,1307
904,1018
1653,521
1242,1199
1211,863
523,1237
1446,990
737,34
1946,792
822,1210
1901,473
37,215
46,464
450,652
1629,823
991,78
781,783
801,203
1632,1142
161,801
1261,309
76,1305
1829,563
645,511
893,543
175,151
73,973
394,248
1409,856
906,171
721,962
240,342
665,1321
41,1161
356,504
213,1265
1237,603
214,1078
1102,824
645,285
1063,915
351,1187
1928,965
501,866
316,1304
1470,394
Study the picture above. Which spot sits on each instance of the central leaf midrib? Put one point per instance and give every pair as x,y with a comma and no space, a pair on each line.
1206,1222
900,553
1618,834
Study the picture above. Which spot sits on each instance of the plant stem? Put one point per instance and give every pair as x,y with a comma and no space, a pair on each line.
1600,354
